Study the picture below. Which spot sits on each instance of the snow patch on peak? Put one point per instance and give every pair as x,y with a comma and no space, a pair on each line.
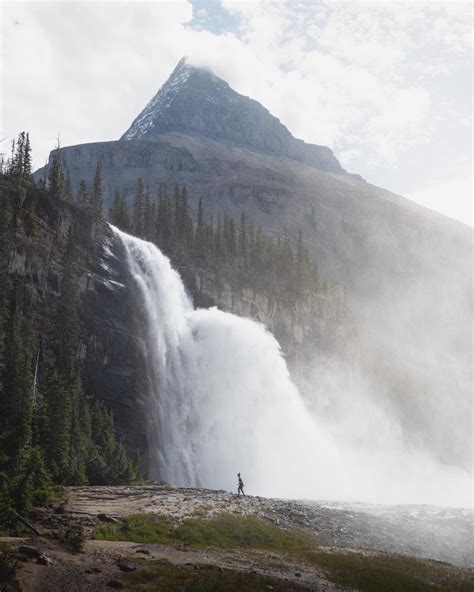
161,101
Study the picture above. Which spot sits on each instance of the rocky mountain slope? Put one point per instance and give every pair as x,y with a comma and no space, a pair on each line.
405,270
195,101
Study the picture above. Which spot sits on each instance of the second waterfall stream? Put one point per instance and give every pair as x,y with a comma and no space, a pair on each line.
221,400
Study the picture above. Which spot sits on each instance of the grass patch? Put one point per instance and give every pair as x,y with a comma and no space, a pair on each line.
224,531
166,577
366,573
388,573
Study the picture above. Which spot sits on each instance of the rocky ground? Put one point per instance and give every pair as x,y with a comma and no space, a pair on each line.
103,565
438,533
351,532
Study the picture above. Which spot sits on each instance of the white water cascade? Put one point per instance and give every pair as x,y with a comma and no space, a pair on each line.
222,399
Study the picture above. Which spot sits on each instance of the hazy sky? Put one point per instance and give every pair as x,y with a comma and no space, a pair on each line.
388,86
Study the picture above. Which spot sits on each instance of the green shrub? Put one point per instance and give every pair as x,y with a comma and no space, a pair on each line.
72,537
42,497
223,531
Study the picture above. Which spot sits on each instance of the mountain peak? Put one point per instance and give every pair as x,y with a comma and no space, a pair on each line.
183,69
196,102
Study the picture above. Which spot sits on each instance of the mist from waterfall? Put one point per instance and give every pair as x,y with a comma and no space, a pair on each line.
221,401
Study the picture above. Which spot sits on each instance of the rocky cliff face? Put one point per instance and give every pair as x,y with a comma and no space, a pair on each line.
310,331
109,349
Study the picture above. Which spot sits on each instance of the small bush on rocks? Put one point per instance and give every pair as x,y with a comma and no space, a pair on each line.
72,537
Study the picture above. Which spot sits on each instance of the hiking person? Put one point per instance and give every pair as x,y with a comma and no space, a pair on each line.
240,488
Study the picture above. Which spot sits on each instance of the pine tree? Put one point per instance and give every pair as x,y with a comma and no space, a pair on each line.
16,404
11,164
114,209
243,237
177,220
6,240
81,431
186,223
219,242
242,250
20,156
148,216
56,176
56,433
119,214
17,156
138,208
96,197
67,193
257,257
124,216
151,222
19,165
27,162
231,238
164,221
83,194
39,479
199,239
67,335
111,464
7,513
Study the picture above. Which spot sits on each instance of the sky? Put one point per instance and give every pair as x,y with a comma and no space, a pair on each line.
386,85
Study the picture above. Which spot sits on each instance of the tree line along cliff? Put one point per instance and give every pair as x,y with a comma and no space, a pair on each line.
234,251
52,430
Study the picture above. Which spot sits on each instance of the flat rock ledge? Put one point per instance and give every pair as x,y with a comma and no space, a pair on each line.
444,534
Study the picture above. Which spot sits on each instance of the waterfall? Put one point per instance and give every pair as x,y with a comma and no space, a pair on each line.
221,401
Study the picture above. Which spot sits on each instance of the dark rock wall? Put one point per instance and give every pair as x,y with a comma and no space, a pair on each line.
109,348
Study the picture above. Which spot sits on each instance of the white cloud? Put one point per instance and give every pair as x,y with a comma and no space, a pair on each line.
451,196
355,76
